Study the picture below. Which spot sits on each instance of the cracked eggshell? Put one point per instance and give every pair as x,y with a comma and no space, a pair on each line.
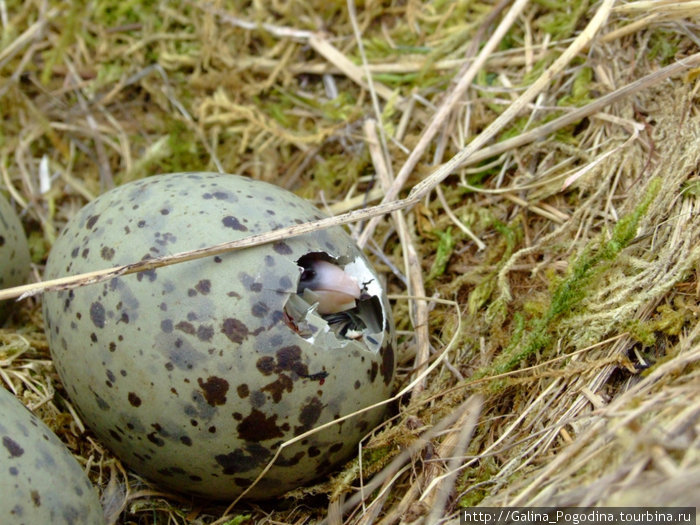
40,481
193,374
14,252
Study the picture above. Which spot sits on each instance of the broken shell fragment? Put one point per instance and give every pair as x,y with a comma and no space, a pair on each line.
195,374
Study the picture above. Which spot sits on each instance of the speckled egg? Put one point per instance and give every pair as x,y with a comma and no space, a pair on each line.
40,481
14,252
194,374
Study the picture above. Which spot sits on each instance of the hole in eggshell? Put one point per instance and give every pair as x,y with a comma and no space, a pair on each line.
337,298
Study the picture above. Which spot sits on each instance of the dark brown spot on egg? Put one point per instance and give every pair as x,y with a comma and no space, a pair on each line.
214,390
92,220
107,253
235,330
282,248
372,372
258,427
308,415
203,286
387,367
153,438
101,403
134,399
289,358
290,462
243,391
186,327
12,447
240,461
232,222
323,467
278,387
259,309
205,332
266,365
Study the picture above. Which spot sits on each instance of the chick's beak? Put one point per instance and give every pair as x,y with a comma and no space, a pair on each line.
333,289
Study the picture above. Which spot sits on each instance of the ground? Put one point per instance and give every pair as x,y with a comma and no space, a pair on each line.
540,161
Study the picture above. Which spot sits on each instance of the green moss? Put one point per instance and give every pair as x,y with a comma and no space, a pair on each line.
663,46
71,23
498,256
185,149
373,459
37,247
179,150
445,247
641,331
691,187
571,290
241,519
538,68
673,318
580,89
562,17
279,111
488,79
119,12
534,307
326,172
473,482
379,48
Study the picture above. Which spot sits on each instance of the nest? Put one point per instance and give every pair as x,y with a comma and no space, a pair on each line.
525,175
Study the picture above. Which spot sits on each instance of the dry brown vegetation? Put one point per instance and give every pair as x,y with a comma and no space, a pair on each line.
544,269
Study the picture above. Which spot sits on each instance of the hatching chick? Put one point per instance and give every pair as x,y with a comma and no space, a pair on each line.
332,288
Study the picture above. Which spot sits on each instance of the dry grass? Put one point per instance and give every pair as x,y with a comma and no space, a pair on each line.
543,256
